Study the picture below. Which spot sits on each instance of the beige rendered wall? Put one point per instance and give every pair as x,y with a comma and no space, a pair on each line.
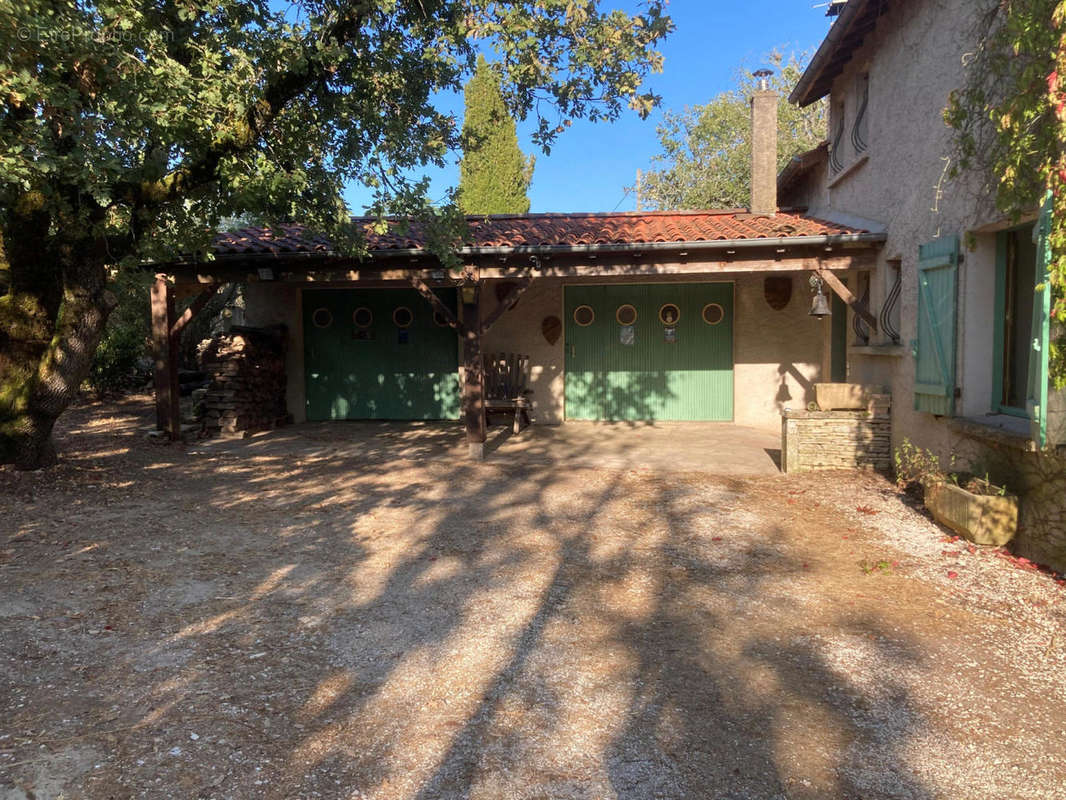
519,331
779,355
280,303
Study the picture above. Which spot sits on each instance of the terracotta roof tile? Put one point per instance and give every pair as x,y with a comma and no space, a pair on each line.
552,230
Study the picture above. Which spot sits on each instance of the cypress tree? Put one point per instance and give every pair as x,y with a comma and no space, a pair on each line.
493,174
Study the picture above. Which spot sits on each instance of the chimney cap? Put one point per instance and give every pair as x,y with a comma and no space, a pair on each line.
763,75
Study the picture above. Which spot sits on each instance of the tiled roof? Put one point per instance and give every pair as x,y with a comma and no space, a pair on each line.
552,230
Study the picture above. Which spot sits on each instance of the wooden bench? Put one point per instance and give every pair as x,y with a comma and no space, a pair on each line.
506,387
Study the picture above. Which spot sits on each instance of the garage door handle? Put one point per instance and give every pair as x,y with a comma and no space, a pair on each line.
573,351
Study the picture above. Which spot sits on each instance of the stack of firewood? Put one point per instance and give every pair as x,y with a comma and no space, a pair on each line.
247,389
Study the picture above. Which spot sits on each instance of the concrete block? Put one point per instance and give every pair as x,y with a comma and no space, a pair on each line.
988,520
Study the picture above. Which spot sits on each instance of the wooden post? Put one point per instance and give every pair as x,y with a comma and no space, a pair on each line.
165,346
473,376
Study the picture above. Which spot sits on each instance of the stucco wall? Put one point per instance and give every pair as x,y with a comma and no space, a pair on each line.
519,331
914,59
280,303
780,355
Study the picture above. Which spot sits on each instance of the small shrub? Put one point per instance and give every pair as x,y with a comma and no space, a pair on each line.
119,363
916,466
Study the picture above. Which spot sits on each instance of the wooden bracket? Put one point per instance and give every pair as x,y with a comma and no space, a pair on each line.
195,307
844,294
505,304
438,304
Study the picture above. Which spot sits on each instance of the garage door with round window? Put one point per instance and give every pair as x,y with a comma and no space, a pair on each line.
649,352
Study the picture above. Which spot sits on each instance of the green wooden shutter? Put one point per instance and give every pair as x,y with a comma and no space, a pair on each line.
934,349
1036,394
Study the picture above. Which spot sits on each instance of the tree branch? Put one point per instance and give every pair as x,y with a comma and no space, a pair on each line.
282,89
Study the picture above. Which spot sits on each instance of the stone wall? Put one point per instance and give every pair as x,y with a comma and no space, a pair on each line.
814,440
1040,482
247,389
1038,478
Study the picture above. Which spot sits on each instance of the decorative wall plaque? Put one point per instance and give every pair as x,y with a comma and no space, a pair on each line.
552,328
778,291
503,288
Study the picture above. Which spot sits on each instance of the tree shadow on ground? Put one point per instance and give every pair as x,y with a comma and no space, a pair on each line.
403,625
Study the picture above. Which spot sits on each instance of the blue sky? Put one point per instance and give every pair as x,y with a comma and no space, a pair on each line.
591,164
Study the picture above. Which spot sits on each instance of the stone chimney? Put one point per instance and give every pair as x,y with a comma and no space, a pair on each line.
764,147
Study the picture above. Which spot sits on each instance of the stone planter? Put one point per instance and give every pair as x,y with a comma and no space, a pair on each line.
983,519
843,396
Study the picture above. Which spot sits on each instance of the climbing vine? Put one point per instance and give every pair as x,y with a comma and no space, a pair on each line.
1009,120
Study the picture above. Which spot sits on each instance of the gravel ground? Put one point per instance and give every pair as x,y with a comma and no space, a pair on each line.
265,622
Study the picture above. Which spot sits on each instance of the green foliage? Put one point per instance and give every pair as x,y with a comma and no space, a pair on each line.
884,566
493,175
149,122
1009,123
118,363
706,150
5,272
915,465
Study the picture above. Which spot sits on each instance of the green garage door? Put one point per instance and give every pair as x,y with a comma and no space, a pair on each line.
649,352
378,354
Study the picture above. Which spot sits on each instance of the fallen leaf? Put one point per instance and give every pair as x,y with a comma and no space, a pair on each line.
953,574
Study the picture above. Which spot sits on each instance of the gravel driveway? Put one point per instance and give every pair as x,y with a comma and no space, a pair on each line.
299,622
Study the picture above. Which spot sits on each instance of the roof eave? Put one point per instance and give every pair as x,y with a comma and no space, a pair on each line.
804,94
642,247
824,240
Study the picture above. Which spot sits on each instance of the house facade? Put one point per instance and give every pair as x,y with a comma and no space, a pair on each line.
637,317
663,316
957,287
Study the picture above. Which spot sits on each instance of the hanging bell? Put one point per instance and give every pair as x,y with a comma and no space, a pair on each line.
820,305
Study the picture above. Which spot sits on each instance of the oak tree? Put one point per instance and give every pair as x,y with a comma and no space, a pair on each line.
129,128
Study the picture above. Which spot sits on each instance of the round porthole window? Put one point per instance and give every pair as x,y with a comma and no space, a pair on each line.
713,313
439,320
626,314
584,316
403,317
363,318
322,318
669,314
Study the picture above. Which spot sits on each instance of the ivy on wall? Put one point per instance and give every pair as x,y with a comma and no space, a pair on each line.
1009,120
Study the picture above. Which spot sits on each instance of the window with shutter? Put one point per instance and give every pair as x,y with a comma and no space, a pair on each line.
1037,391
934,349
